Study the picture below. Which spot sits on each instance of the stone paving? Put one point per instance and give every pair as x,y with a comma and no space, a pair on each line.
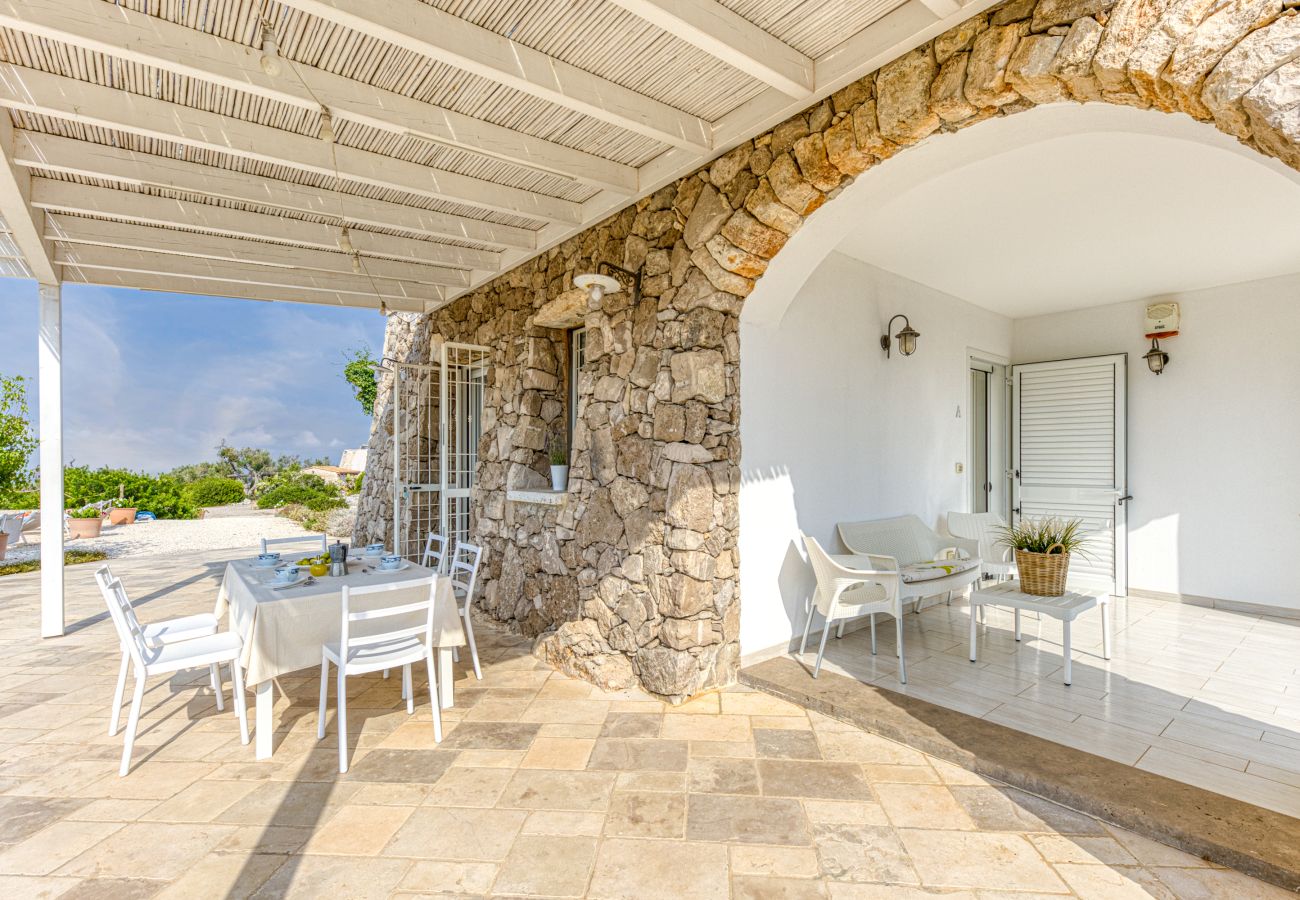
544,787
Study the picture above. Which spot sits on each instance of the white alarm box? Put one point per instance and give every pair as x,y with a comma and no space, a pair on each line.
1162,320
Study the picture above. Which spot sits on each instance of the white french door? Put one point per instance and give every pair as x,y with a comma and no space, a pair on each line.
436,430
1069,457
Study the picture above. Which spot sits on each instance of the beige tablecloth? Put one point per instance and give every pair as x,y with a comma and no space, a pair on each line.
283,629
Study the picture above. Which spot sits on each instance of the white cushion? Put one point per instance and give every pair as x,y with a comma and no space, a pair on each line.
937,568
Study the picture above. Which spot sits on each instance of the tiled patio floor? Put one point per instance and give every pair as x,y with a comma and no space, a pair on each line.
1204,696
543,787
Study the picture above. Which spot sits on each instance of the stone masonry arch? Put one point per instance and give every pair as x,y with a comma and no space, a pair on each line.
634,578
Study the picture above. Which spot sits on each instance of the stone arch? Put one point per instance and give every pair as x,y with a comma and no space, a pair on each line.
635,577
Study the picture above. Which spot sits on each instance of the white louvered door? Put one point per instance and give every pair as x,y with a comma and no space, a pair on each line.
1069,456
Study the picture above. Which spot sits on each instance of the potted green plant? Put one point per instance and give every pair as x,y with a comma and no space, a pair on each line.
85,522
559,455
123,514
1043,548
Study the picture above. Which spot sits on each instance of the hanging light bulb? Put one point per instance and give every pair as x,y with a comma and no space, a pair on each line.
270,60
383,308
356,264
326,125
345,241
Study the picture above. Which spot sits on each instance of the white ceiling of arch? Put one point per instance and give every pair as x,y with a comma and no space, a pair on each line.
1092,205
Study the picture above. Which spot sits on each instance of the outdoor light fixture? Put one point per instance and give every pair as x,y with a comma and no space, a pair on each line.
1156,358
357,268
906,338
597,286
270,60
326,125
345,241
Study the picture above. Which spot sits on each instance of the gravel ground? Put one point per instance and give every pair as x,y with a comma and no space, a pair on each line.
222,529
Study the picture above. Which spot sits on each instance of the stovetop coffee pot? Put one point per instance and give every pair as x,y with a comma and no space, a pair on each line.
338,559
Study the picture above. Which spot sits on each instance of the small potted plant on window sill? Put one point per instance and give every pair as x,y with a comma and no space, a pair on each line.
1043,548
85,522
559,454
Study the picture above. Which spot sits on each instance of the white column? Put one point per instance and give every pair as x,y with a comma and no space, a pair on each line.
50,386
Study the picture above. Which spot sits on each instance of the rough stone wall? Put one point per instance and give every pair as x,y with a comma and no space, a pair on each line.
635,577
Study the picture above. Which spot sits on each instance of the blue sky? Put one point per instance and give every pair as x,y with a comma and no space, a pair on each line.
152,381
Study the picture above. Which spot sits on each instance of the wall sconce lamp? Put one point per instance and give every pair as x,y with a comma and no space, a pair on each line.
906,337
1156,358
609,279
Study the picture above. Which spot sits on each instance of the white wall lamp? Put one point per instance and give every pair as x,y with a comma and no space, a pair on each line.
906,337
1161,322
609,279
1156,358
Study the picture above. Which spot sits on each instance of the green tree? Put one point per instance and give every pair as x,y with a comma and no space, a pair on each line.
248,464
17,440
359,370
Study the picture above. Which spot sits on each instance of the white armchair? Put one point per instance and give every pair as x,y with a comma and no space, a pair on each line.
996,559
927,564
848,587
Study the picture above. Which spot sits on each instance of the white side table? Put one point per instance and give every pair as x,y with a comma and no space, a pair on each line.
1066,608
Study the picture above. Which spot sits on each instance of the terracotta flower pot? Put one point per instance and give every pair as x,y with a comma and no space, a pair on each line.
123,515
85,528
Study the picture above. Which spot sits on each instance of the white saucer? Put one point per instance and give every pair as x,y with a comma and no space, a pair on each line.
382,571
276,583
270,564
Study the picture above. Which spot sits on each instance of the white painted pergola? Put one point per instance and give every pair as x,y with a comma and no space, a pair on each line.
389,154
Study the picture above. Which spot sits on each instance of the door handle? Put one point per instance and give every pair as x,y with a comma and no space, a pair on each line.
1121,500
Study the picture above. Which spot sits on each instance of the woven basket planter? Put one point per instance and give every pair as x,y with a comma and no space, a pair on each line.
1043,574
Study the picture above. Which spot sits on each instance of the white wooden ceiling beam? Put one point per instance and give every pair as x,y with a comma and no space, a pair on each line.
178,284
83,256
23,221
428,31
151,41
66,230
730,37
125,163
68,197
42,93
69,156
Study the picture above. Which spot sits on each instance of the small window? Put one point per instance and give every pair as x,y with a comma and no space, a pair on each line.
577,357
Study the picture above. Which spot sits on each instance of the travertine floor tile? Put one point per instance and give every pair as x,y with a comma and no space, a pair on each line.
547,865
670,870
358,830
647,814
558,753
457,834
977,860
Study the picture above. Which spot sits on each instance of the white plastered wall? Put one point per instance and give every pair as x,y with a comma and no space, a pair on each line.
1214,442
834,431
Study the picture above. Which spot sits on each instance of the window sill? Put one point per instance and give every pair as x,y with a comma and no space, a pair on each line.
541,497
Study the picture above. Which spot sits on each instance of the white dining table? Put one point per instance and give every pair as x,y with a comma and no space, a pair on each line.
283,628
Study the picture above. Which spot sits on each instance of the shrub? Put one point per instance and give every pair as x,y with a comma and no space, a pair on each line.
214,491
161,495
354,484
311,491
86,512
340,523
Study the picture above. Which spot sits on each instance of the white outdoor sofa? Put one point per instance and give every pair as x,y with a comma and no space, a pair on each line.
928,564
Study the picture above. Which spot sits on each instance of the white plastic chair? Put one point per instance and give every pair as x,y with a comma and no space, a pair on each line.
168,631
318,539
435,552
904,544
996,559
161,659
31,522
357,654
847,592
464,576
